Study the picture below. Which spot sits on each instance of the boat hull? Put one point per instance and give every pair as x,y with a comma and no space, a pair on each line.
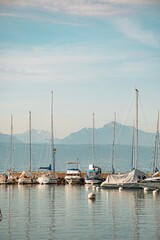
74,180
26,181
47,180
93,181
124,186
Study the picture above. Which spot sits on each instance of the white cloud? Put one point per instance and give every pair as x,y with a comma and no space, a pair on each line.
81,7
135,31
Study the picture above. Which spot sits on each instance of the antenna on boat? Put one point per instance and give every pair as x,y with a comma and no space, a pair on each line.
136,163
113,148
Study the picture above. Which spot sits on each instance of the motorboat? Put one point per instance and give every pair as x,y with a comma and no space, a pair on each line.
93,175
73,174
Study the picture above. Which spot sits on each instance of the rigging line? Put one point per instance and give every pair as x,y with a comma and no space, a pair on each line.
126,117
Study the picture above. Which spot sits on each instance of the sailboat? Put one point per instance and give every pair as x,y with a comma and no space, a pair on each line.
154,181
49,177
131,179
93,174
27,177
11,179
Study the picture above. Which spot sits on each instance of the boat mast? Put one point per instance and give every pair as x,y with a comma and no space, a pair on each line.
156,146
93,146
113,148
11,145
136,163
52,140
133,153
30,157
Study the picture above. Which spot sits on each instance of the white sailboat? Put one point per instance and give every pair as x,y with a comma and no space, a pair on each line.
128,180
49,177
27,177
11,178
73,175
93,174
154,181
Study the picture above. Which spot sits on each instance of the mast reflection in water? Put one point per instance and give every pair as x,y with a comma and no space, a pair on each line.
32,212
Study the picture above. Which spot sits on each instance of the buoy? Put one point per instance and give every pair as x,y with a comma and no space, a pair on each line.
146,189
91,196
120,188
97,188
87,187
94,187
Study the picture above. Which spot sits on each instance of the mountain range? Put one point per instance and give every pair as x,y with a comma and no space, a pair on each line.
104,135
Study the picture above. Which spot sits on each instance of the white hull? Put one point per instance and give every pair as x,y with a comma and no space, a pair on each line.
124,186
151,183
47,180
93,181
26,180
73,180
11,181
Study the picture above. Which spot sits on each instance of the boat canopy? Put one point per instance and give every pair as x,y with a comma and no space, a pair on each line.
133,176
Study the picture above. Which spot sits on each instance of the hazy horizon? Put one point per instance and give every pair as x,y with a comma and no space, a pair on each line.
91,54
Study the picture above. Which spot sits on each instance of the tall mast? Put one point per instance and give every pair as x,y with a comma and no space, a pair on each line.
30,156
114,139
136,163
11,145
156,146
133,153
93,146
52,139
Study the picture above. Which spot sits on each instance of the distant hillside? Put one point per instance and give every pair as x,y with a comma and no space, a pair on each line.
104,135
36,136
5,138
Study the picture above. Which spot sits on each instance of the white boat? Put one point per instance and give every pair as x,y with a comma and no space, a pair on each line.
131,179
151,183
94,172
127,180
73,175
93,175
26,177
11,178
49,177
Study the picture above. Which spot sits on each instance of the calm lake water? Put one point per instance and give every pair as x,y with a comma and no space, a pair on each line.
64,212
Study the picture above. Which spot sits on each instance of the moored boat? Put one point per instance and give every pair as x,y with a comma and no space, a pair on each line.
49,177
94,172
26,177
73,174
93,175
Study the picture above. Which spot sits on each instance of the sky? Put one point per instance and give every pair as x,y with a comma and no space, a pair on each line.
91,53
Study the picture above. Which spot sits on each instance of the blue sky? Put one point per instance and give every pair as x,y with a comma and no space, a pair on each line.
92,54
